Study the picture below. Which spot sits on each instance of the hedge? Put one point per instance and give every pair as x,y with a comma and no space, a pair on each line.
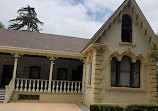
141,107
105,108
132,107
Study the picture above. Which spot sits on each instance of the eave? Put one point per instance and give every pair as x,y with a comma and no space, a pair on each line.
47,53
92,47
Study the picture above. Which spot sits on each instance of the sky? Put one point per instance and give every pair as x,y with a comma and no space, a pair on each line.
78,18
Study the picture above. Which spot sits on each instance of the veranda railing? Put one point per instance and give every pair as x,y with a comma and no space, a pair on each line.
57,86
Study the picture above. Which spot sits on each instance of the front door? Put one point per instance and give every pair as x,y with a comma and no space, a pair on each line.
7,75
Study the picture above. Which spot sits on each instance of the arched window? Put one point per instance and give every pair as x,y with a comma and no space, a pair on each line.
124,73
126,28
113,71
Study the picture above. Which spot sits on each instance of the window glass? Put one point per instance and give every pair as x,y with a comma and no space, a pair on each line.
136,74
124,73
113,71
126,28
125,70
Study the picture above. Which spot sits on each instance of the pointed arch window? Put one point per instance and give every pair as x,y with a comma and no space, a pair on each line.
124,73
126,28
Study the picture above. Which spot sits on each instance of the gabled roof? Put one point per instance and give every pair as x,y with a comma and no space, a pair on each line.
105,25
50,42
151,35
24,39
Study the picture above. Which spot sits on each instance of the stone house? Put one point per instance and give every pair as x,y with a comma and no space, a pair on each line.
116,66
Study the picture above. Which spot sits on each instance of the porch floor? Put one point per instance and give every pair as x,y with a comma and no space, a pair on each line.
39,107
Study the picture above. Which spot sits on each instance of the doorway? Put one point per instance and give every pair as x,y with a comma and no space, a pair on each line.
6,75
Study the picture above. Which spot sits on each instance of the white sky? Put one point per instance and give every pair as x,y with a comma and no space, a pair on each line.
80,18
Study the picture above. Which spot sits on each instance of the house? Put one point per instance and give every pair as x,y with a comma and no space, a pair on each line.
116,66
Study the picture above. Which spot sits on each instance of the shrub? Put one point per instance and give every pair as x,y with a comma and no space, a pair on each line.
105,108
141,107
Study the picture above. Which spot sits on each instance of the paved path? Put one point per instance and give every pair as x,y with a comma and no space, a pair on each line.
39,107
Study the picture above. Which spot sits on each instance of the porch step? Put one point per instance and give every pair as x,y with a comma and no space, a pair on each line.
2,90
2,95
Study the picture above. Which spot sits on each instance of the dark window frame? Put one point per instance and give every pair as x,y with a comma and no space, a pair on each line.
131,74
126,34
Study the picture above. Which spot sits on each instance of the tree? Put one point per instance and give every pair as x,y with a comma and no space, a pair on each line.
1,25
27,20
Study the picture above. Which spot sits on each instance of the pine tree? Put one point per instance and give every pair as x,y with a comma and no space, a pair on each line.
27,20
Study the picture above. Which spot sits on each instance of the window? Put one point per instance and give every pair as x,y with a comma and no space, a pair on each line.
136,75
124,73
113,72
35,72
126,28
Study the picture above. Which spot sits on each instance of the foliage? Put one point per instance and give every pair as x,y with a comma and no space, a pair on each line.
27,19
1,25
142,107
105,108
132,107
